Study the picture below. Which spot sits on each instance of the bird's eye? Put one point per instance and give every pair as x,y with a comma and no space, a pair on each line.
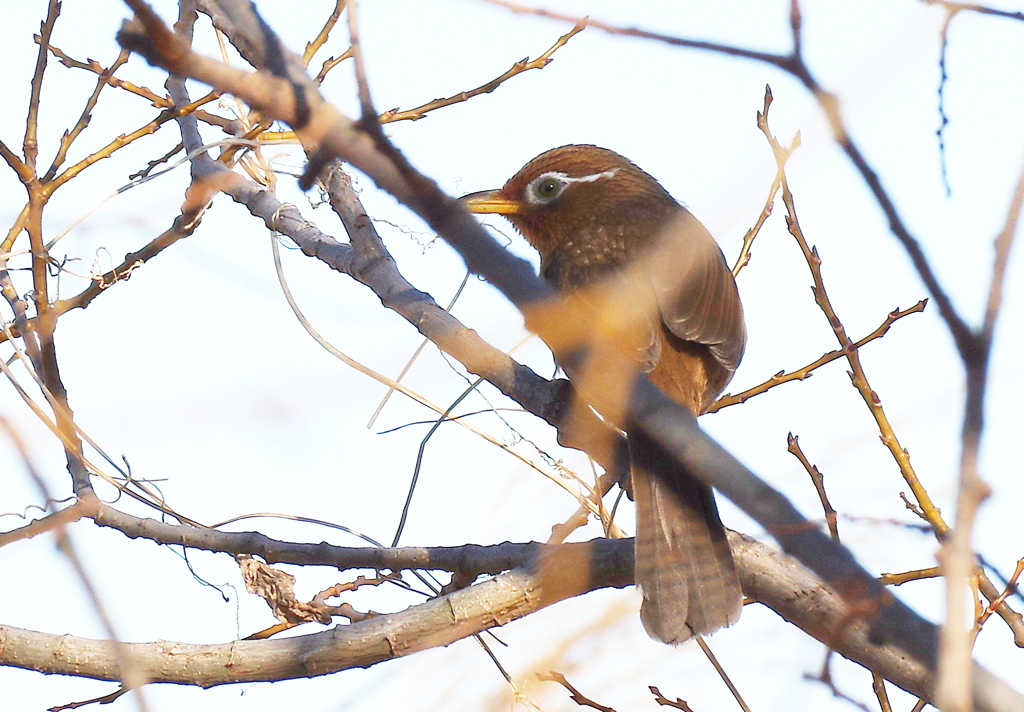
548,188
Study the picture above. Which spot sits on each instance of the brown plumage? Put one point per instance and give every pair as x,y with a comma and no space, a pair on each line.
592,214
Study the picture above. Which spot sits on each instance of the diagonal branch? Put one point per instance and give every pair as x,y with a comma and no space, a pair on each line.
807,371
767,576
69,137
524,65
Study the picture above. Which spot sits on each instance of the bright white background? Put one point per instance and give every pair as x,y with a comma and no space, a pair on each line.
198,374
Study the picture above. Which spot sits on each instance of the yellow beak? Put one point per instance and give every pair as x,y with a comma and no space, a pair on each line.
490,201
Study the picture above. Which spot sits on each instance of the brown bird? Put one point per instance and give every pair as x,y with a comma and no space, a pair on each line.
593,215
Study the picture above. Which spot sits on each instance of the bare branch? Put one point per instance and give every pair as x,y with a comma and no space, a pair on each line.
793,445
31,142
314,45
69,136
574,694
980,9
524,65
801,373
767,576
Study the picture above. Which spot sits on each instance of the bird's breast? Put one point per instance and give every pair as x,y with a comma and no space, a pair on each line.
582,260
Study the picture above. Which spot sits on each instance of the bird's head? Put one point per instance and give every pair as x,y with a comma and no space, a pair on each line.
567,188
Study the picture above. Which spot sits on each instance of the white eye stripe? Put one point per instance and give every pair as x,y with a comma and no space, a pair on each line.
566,178
546,187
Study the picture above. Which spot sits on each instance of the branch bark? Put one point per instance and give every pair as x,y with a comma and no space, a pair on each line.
545,575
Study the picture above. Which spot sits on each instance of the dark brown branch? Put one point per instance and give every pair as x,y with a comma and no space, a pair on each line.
183,226
779,60
468,558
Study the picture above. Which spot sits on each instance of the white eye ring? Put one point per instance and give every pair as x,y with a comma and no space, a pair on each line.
547,187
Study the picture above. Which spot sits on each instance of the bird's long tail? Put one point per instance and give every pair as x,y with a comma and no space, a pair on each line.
684,566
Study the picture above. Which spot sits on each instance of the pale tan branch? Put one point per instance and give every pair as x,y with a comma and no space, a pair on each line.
768,577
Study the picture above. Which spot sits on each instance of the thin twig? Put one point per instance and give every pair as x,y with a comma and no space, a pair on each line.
943,80
416,354
161,102
30,144
980,9
69,136
524,65
722,673
900,579
1011,589
314,45
802,373
878,687
793,446
118,143
574,694
679,703
857,374
330,63
743,259
81,509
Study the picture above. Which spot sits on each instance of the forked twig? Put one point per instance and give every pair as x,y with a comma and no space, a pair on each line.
574,694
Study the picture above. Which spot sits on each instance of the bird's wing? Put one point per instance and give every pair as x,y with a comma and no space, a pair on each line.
696,292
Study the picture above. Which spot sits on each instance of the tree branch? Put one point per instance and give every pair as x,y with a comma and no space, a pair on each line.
546,575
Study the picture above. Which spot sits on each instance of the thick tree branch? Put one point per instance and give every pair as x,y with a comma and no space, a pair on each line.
545,576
